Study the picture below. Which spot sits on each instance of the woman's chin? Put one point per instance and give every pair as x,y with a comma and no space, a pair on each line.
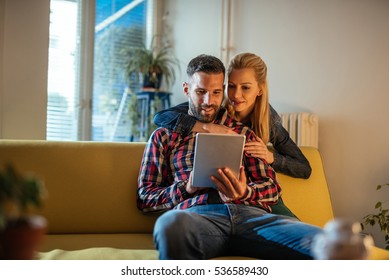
238,108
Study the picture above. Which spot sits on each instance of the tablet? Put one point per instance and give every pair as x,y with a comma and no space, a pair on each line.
213,151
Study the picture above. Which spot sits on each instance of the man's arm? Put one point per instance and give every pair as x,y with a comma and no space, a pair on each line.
157,190
263,187
257,184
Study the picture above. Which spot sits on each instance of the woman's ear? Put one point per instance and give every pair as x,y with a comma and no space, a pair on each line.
259,93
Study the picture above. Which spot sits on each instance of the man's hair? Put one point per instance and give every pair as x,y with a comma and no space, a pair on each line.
205,63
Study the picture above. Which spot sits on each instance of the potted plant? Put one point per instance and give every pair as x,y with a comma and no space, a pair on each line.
20,231
150,64
381,218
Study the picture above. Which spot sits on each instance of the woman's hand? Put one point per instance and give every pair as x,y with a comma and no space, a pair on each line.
229,186
212,128
258,149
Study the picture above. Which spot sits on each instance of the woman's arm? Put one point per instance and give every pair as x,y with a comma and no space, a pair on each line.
288,158
177,119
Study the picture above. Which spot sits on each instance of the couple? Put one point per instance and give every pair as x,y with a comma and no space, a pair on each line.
236,218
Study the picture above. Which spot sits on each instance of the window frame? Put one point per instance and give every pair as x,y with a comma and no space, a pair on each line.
85,60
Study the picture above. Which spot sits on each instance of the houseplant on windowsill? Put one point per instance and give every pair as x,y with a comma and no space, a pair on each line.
381,218
151,65
20,232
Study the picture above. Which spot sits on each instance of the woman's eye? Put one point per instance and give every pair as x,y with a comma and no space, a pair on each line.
231,86
245,88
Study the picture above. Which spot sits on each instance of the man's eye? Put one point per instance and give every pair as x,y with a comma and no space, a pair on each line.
231,86
200,92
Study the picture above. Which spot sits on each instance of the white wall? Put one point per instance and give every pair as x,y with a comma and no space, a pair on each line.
24,44
328,57
194,27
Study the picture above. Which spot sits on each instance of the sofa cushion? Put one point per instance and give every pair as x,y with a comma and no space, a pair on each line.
81,241
99,254
136,254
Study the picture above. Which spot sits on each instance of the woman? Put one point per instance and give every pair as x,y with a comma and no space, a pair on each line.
248,103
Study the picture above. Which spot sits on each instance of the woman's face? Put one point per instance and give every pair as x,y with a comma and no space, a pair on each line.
242,91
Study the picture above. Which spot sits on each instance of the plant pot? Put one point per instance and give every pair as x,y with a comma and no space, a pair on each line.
21,237
152,80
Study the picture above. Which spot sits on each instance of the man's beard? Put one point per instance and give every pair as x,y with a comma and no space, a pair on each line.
197,111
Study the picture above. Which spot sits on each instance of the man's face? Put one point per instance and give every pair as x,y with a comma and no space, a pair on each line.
205,93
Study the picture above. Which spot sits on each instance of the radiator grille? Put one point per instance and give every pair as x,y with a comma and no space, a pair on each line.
303,128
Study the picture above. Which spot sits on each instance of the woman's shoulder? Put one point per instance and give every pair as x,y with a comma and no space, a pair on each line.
275,118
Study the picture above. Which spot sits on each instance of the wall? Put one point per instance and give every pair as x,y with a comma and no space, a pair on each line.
24,44
328,57
193,27
2,13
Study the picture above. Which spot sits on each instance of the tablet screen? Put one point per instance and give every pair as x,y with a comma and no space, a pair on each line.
213,151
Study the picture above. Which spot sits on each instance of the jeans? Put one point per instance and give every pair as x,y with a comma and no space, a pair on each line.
214,230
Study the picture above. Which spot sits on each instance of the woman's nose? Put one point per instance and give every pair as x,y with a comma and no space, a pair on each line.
236,93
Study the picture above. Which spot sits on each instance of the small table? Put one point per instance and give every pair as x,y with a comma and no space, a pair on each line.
149,101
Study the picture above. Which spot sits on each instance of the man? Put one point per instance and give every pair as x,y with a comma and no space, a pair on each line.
207,223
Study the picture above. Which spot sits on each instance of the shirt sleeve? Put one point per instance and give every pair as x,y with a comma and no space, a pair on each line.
263,188
157,191
176,118
288,158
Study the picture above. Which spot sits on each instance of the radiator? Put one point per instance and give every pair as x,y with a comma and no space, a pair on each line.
303,128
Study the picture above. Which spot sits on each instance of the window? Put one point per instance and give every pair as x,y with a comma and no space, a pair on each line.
87,97
62,114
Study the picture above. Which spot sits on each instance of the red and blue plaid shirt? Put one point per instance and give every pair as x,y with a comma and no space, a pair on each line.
168,161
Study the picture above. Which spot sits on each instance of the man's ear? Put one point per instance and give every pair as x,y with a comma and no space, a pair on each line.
185,87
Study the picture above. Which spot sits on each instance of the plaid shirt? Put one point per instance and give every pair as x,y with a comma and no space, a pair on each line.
168,161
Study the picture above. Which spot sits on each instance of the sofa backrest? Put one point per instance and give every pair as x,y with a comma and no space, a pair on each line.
92,185
309,199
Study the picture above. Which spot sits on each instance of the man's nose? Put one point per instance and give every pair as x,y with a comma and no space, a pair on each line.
207,98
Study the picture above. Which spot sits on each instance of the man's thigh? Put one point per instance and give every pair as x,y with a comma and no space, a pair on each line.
272,236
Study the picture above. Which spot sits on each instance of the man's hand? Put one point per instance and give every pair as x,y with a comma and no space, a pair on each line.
258,149
228,185
212,128
189,188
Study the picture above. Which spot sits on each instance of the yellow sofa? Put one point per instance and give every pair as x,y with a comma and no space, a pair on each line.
91,207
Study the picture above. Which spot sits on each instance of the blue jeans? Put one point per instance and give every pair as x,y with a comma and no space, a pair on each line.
214,230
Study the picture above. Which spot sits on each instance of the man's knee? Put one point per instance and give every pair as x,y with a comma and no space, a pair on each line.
172,224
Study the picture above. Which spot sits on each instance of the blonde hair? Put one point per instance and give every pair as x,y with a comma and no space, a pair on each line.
259,117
